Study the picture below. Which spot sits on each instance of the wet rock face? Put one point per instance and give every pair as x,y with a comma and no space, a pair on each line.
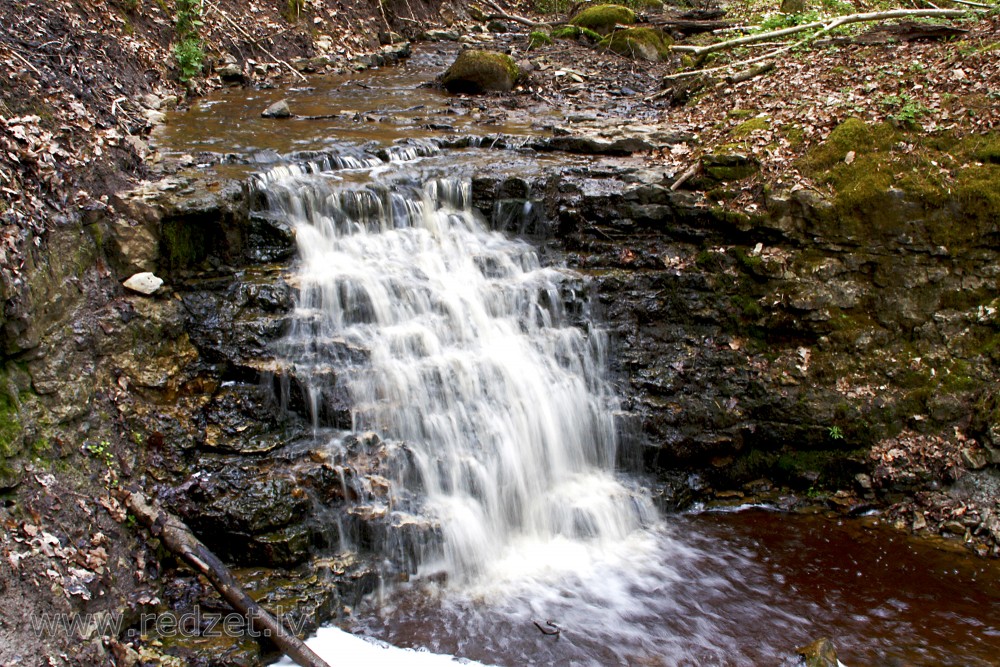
752,346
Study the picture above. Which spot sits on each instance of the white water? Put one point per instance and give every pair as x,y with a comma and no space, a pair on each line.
457,345
470,360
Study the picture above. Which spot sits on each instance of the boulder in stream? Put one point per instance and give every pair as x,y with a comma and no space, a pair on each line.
820,653
639,44
476,71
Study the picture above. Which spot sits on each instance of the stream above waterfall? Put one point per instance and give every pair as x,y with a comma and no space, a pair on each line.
484,366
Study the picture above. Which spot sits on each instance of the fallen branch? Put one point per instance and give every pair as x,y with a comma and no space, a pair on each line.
689,27
179,539
823,29
251,39
691,171
751,73
825,26
499,13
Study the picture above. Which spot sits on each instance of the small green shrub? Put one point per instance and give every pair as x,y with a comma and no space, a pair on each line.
188,50
908,111
190,58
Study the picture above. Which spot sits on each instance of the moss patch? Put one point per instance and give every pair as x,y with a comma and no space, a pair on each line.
477,71
639,43
744,129
537,39
935,189
602,19
575,32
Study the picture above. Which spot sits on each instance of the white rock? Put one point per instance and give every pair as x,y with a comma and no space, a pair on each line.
144,283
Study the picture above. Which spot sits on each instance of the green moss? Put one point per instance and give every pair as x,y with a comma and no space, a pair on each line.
960,201
740,113
793,134
744,129
575,32
851,135
978,192
537,39
11,442
603,18
639,43
182,245
476,71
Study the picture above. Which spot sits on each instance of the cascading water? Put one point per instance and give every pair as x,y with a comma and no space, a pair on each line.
481,369
454,340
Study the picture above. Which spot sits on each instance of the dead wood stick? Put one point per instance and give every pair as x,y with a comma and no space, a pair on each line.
500,13
691,171
827,25
180,540
250,37
746,75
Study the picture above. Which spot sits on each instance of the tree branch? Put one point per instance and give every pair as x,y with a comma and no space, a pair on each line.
823,29
825,25
179,539
499,13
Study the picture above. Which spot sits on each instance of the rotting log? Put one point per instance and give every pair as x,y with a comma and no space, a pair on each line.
179,539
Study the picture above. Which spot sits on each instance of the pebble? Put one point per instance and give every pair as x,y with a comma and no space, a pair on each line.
277,110
144,283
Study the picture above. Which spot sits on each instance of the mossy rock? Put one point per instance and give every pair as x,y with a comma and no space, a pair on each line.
639,43
725,167
883,189
851,135
602,19
477,71
575,32
537,39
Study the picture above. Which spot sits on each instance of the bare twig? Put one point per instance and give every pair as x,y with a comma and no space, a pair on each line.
500,13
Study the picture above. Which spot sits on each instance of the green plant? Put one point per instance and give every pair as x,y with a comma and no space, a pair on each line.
100,451
189,57
835,433
908,110
551,6
188,50
780,21
293,8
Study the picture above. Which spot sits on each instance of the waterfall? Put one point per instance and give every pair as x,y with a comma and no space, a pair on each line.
456,342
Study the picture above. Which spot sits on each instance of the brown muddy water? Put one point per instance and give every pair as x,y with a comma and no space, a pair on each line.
723,588
709,588
381,105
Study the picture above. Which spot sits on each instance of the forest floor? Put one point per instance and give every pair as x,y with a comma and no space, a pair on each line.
82,84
